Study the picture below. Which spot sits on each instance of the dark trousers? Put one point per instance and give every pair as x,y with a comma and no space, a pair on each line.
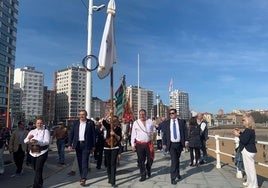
194,154
204,149
143,153
38,165
82,154
18,157
111,161
175,154
159,144
61,149
98,155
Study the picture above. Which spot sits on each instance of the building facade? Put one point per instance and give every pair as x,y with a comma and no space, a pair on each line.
97,108
8,34
70,88
49,107
31,82
180,101
146,100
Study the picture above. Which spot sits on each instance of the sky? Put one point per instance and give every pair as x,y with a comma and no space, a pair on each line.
215,50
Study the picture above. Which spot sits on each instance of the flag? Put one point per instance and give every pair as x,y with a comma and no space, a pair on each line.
170,85
120,97
107,53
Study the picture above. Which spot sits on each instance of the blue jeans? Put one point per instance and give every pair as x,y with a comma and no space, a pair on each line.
61,149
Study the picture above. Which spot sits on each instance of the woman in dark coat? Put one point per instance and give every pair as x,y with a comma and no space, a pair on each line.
194,141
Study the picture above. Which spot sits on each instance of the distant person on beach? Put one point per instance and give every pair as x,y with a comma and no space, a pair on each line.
248,150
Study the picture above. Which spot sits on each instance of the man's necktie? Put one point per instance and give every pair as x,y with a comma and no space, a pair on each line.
174,129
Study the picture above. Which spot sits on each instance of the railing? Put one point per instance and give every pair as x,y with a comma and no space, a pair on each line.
218,152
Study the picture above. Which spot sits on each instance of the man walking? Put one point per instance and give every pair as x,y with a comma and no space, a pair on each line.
61,134
174,139
82,138
17,147
204,136
141,141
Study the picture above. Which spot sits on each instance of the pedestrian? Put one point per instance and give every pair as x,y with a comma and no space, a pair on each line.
160,128
125,134
39,139
4,135
204,136
98,153
174,139
142,143
82,138
248,149
17,147
194,142
112,147
61,136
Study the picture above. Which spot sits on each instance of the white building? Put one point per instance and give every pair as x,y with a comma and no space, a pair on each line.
180,101
146,100
31,83
70,87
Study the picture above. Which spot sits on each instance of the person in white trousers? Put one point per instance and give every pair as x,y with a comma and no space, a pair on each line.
248,149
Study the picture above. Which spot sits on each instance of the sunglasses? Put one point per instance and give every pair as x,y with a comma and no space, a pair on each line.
171,113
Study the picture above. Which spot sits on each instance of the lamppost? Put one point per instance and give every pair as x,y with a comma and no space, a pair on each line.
91,8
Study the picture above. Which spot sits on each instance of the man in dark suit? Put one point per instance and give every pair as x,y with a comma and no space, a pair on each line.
174,139
82,138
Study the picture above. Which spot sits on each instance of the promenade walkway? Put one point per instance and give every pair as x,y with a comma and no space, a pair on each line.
204,176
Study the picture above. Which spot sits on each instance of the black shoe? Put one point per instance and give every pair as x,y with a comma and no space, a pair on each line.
191,164
98,167
173,182
142,179
72,173
149,174
179,177
114,185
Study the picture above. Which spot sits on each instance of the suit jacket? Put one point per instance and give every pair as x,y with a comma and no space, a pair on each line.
90,135
14,141
166,132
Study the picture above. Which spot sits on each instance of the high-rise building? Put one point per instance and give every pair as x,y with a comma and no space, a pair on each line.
31,83
146,100
97,108
70,92
49,107
8,33
180,101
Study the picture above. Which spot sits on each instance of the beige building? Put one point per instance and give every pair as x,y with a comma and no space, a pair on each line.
70,87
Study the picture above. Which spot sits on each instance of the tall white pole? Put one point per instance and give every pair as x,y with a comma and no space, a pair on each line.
139,94
89,52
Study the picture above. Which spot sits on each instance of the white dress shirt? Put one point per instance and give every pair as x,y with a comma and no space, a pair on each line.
141,132
43,138
82,128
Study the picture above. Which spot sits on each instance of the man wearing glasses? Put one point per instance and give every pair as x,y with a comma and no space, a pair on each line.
174,140
82,138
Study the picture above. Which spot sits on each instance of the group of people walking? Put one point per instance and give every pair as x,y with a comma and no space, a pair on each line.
103,138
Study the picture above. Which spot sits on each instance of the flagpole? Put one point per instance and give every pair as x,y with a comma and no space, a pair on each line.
112,104
139,102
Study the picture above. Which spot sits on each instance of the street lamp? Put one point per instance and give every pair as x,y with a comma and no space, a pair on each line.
91,8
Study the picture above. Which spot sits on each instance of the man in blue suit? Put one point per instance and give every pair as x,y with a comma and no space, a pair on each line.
174,139
82,138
